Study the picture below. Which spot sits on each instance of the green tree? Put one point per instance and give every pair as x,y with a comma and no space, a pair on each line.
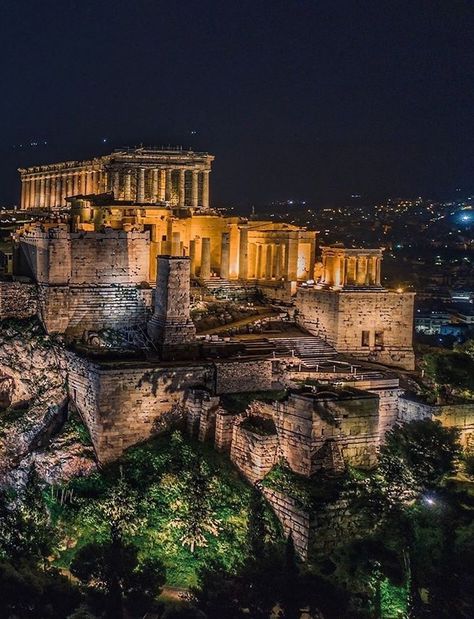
114,568
29,592
419,453
25,523
450,370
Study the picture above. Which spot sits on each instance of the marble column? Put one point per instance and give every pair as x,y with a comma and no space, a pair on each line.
47,192
161,184
259,270
24,192
31,197
292,268
378,272
192,257
57,190
195,188
154,185
225,255
312,258
75,183
141,185
277,261
205,258
205,188
176,244
252,270
181,188
366,271
243,252
41,201
168,185
116,184
268,262
128,186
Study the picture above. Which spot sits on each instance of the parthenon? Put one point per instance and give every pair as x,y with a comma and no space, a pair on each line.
139,175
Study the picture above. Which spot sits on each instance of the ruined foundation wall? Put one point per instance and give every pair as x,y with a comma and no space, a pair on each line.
253,454
294,520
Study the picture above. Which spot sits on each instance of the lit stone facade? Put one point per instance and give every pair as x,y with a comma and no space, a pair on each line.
352,311
171,324
141,175
217,246
344,267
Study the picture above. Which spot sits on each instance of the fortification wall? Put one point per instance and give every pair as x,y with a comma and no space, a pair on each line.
74,309
253,454
243,375
18,300
342,317
57,256
294,519
317,311
124,406
460,416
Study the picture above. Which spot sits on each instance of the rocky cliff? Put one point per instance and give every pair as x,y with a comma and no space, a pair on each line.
33,400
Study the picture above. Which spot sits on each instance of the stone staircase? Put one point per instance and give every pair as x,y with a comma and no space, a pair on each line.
312,350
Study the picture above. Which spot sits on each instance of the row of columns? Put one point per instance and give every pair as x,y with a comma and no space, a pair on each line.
162,184
50,190
361,270
149,185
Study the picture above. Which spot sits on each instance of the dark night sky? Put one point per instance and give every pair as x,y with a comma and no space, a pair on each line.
298,99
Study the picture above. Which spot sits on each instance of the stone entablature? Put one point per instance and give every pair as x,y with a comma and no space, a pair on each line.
142,175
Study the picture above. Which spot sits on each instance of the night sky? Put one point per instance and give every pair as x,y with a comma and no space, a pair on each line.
300,99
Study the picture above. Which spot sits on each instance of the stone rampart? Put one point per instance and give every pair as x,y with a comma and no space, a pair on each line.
56,256
123,406
372,325
294,520
243,375
75,309
458,415
252,453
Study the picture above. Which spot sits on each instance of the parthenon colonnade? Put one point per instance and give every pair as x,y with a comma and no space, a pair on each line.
182,187
140,175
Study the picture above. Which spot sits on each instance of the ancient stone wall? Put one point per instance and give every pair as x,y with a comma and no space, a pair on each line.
124,406
294,519
372,325
315,431
243,375
57,256
73,310
459,415
253,454
18,300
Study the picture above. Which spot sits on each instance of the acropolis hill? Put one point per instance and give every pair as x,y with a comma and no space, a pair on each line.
162,308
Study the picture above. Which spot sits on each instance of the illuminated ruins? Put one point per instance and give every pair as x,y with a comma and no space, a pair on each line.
128,244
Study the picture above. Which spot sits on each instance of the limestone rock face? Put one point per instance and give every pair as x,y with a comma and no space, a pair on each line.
34,398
